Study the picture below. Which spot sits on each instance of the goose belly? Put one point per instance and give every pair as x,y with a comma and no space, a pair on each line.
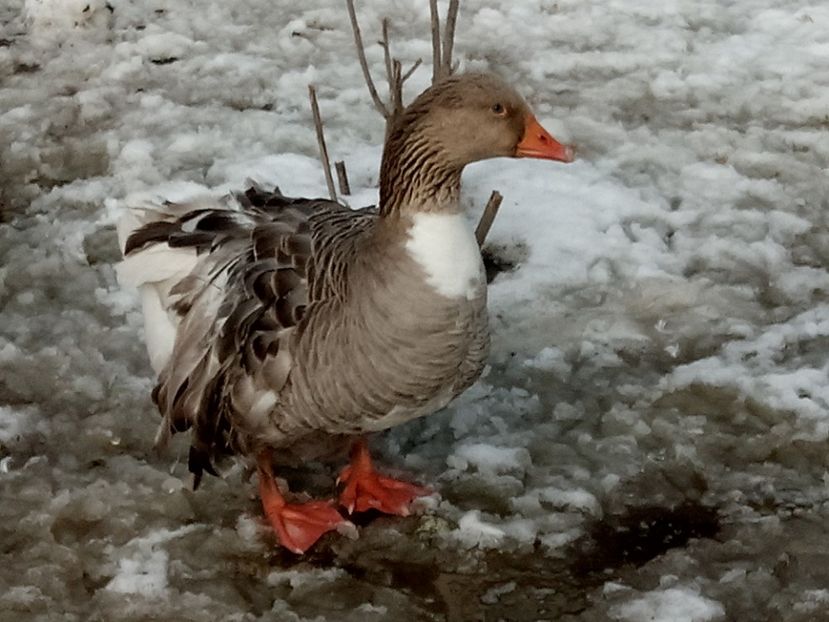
409,363
402,413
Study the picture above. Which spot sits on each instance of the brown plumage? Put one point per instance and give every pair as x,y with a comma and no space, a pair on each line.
281,326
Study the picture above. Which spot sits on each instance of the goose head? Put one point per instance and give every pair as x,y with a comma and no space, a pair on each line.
460,120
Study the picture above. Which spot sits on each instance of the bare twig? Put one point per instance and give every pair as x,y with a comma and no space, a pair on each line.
435,19
326,164
409,73
386,48
394,72
449,37
361,55
396,88
392,76
342,177
488,217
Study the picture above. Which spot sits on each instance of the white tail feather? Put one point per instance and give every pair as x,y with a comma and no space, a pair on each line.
154,271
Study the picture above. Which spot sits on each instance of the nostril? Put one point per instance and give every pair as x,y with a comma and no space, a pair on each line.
542,138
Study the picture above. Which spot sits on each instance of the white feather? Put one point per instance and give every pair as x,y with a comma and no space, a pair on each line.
153,271
159,328
155,264
445,247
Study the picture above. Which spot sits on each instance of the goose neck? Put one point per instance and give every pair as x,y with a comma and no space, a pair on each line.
417,176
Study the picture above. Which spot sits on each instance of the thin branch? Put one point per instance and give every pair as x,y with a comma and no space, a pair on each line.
485,224
326,164
361,55
342,177
396,88
435,19
386,48
449,36
392,75
409,73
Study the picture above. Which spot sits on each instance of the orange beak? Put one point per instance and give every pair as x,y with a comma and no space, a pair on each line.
537,143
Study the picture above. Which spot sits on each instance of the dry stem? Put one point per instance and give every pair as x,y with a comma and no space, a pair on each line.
386,48
449,37
435,19
326,164
342,177
487,218
395,76
361,55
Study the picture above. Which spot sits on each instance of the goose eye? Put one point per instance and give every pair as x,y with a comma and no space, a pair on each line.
499,109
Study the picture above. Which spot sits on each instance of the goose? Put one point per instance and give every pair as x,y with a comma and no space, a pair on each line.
288,329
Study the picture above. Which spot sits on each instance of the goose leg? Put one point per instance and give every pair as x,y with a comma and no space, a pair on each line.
297,525
365,489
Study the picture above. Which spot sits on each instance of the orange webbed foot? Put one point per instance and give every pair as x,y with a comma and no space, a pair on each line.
297,525
365,489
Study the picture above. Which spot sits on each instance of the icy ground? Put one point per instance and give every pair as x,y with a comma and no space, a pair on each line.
651,440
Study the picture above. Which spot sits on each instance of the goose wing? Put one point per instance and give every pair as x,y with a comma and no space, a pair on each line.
255,266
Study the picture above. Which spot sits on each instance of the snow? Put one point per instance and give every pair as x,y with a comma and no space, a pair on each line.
659,345
670,605
486,458
59,17
473,531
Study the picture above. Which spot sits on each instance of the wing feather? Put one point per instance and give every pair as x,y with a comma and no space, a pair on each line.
263,260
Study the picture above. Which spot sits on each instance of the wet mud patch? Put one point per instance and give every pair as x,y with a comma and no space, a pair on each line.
642,534
498,259
405,567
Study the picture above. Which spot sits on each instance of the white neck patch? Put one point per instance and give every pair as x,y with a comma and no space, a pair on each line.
445,247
